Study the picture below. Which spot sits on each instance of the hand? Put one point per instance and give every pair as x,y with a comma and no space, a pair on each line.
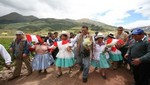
24,55
92,56
8,66
11,49
126,56
136,61
69,48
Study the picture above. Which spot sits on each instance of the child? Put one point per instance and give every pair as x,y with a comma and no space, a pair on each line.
100,55
42,59
65,56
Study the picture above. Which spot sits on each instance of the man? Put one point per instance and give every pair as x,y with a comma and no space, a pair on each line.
56,36
140,57
6,56
20,51
83,54
121,34
123,48
50,42
124,36
47,37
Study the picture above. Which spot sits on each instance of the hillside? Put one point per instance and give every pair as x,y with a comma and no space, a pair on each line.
15,21
146,28
15,18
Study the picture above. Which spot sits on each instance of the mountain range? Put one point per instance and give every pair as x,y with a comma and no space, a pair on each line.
31,23
16,21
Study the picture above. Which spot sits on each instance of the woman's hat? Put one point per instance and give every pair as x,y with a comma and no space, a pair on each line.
99,35
111,35
65,33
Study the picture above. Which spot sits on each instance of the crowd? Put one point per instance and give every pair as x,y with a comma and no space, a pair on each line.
100,51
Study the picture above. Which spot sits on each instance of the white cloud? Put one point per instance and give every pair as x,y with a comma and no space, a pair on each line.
137,24
108,11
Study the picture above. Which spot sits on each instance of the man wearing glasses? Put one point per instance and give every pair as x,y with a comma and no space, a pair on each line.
124,36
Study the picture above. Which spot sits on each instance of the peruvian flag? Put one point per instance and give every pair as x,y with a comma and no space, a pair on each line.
33,38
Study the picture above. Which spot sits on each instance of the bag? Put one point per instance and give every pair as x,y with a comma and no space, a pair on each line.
86,53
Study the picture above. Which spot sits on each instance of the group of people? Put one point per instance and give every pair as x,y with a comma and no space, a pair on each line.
85,49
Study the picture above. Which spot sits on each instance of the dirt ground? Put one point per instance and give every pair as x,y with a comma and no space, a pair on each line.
114,77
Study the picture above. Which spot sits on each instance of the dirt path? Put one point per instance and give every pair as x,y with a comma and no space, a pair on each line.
114,77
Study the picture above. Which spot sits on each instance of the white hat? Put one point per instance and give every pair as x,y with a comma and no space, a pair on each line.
65,32
19,32
100,35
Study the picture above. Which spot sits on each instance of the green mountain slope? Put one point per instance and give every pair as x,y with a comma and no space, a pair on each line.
15,21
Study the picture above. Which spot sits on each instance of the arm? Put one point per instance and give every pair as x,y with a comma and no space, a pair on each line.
5,55
48,41
25,49
74,41
146,57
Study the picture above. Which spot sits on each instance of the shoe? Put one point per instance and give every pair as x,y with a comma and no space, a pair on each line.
13,77
84,80
45,71
104,77
29,74
59,75
69,72
39,71
81,68
95,68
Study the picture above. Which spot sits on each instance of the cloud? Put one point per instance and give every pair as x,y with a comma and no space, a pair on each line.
135,24
111,12
143,8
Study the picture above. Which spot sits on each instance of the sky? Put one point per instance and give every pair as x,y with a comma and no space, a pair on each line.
126,13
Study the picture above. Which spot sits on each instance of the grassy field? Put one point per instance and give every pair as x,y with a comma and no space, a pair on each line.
5,41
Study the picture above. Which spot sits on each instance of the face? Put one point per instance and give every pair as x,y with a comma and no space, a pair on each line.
49,34
53,36
71,35
84,31
119,30
18,36
56,35
100,40
137,37
64,37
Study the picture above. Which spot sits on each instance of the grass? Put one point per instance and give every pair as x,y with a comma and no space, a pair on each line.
5,41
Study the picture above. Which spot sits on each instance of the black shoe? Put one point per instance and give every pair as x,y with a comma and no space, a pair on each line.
59,75
81,68
45,71
95,68
39,71
84,80
104,77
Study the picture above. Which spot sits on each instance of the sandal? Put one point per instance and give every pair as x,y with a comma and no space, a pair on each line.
104,77
69,72
59,75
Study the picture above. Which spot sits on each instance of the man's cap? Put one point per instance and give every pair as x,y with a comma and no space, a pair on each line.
137,31
19,32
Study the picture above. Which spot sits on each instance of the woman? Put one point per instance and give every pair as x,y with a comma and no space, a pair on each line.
114,53
100,55
43,58
65,56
